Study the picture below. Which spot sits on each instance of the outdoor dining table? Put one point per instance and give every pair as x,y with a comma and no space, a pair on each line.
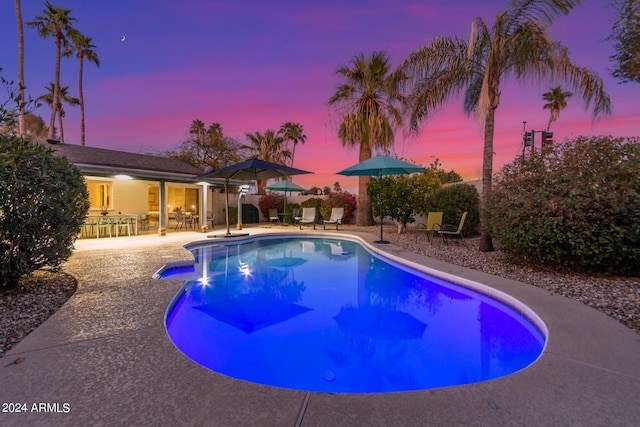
112,221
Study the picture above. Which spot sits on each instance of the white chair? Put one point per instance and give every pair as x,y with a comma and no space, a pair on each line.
273,215
123,222
336,217
105,224
308,217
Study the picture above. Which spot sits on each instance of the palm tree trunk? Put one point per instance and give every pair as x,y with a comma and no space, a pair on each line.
21,118
56,90
61,128
364,214
486,244
81,96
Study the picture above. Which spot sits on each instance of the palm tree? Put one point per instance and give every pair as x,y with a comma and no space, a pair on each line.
292,132
21,118
367,104
268,147
517,45
556,100
56,22
63,97
197,128
84,49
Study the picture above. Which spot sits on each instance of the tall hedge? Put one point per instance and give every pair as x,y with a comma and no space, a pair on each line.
575,206
43,202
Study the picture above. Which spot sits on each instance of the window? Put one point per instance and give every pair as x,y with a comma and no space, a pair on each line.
100,194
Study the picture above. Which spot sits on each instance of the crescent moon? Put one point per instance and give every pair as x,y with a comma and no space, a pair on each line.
123,38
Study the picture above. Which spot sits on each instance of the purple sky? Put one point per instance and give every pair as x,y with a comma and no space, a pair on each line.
253,65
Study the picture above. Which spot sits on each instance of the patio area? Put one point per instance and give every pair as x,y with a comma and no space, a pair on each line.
106,355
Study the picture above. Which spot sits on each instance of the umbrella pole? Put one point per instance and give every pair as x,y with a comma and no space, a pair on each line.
226,193
381,209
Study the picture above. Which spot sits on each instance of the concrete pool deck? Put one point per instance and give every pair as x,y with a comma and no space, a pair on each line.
104,359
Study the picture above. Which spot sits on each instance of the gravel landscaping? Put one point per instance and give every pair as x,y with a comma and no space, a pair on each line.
24,308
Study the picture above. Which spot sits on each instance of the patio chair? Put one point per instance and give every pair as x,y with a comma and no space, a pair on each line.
180,220
123,223
449,230
104,224
273,215
433,225
308,217
211,217
336,218
295,215
143,221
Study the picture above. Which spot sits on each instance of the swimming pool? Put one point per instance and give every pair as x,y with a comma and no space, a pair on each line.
327,315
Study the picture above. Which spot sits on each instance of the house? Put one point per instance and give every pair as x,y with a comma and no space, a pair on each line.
141,184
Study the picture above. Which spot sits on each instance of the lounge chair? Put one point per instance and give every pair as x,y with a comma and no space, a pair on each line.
451,230
336,217
273,215
308,217
295,215
433,225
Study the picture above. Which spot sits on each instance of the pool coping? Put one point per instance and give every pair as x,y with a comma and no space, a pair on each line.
106,354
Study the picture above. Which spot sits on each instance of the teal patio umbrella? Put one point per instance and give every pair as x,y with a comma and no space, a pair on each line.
285,186
380,166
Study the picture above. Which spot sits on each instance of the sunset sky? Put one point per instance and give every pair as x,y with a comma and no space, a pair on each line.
253,65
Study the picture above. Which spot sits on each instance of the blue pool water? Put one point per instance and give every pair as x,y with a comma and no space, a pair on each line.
326,315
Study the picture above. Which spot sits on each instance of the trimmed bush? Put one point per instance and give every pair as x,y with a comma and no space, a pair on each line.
43,203
453,201
576,206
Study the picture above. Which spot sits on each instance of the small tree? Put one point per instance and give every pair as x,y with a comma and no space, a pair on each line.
43,202
402,196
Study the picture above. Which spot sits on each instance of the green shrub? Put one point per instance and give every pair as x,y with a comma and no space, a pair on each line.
341,199
290,207
576,206
453,201
43,203
233,215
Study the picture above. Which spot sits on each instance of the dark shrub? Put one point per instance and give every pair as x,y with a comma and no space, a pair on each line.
43,202
453,201
575,206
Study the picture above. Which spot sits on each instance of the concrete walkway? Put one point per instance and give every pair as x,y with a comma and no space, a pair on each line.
104,359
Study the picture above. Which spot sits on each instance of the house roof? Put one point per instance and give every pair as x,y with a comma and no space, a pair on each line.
83,155
104,162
